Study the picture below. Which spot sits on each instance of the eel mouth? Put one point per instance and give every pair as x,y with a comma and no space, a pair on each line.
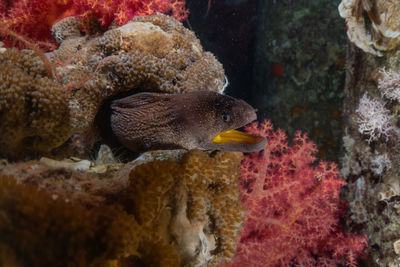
234,140
239,141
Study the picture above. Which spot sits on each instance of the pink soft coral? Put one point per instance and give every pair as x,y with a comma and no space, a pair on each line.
293,206
33,18
3,7
121,11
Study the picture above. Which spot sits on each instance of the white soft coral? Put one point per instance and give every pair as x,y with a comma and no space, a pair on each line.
389,84
373,118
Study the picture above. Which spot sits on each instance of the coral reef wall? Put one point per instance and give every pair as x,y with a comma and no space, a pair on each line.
370,163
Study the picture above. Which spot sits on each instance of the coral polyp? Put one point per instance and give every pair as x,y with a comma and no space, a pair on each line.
33,107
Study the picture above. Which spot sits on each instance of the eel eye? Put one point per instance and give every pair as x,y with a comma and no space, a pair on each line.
226,117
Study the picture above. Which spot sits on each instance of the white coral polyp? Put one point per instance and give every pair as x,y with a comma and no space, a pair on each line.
389,84
373,118
380,164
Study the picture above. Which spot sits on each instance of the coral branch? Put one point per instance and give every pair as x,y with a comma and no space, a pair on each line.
389,84
373,118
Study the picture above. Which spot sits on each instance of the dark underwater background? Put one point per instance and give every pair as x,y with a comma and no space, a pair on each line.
286,58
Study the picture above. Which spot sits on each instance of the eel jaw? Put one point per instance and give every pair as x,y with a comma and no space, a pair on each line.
234,140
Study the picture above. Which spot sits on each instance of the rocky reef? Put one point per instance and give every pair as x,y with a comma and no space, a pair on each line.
59,98
370,163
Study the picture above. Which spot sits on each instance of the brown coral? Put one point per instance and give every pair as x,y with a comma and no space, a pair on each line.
213,192
198,200
159,54
46,232
187,210
34,111
149,53
149,184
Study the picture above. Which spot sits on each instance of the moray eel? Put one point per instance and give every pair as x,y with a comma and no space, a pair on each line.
201,119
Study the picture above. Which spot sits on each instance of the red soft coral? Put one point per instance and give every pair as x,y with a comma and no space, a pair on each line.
3,7
33,18
121,11
293,206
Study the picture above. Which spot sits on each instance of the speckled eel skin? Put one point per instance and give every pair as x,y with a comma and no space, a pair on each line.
201,119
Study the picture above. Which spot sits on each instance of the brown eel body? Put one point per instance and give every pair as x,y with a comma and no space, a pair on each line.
202,119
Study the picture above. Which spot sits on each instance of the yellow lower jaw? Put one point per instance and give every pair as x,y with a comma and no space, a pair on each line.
237,137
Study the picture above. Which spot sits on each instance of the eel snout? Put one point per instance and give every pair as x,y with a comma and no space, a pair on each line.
234,140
